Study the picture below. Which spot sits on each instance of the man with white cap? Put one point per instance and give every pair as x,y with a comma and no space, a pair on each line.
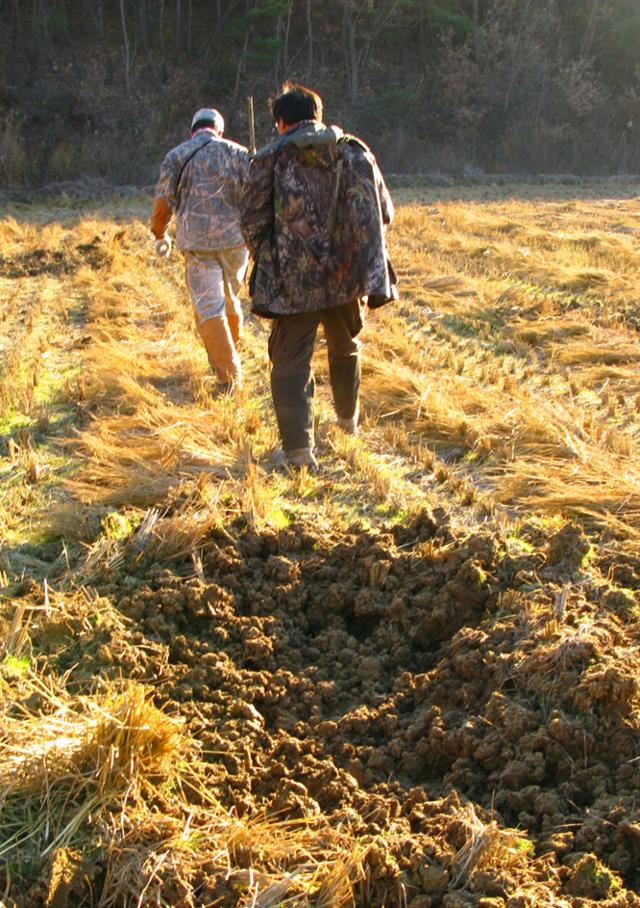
201,182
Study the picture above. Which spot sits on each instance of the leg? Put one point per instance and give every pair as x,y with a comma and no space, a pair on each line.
206,287
221,351
292,382
234,267
342,324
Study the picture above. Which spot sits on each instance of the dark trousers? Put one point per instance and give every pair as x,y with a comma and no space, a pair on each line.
292,383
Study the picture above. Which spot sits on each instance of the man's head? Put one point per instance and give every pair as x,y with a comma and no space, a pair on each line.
207,118
294,104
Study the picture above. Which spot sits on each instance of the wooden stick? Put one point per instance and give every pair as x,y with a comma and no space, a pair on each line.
252,125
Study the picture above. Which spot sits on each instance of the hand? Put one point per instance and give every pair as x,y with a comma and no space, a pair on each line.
163,246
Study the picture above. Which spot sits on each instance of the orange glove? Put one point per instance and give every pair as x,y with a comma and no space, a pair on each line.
160,217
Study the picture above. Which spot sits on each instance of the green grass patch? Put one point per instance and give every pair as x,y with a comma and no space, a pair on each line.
13,667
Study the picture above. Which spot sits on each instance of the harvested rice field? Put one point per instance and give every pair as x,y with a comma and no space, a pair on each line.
411,680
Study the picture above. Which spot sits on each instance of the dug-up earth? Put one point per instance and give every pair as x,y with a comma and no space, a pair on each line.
405,686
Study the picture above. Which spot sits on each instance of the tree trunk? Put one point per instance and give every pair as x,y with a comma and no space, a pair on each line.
40,21
125,45
279,54
161,27
176,46
350,48
422,33
309,41
285,50
144,24
516,61
242,61
15,23
590,31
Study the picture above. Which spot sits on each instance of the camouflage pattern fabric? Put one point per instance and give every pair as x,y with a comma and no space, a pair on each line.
313,213
206,200
214,280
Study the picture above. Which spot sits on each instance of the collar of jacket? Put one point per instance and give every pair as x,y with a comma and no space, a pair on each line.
303,135
203,131
310,133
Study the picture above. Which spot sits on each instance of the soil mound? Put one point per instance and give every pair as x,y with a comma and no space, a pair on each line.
427,687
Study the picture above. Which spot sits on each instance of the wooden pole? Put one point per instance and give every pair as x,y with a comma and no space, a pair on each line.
252,125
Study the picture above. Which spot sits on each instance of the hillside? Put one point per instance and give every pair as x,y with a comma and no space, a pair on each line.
103,89
410,680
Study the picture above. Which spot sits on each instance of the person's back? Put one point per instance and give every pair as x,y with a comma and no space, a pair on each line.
202,179
201,182
324,245
314,210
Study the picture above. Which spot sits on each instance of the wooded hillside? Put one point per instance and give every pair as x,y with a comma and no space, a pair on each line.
104,87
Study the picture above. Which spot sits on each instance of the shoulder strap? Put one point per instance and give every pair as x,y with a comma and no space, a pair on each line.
348,139
192,155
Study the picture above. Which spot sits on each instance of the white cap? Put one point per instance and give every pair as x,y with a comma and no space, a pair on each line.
209,115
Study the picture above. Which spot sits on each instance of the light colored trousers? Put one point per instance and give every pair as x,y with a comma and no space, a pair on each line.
214,279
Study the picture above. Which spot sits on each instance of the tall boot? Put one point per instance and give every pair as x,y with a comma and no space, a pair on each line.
344,375
235,318
221,350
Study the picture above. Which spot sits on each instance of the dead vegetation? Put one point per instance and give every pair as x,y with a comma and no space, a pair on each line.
502,390
506,369
113,768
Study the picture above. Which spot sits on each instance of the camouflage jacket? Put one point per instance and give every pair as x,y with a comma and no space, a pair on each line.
313,214
204,191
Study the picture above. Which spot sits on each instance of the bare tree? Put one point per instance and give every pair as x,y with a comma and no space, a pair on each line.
590,31
176,46
144,24
357,43
349,24
287,32
309,40
161,27
125,45
283,29
240,70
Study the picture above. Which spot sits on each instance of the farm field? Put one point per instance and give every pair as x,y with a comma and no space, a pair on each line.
411,680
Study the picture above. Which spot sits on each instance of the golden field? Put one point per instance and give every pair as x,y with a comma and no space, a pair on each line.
180,724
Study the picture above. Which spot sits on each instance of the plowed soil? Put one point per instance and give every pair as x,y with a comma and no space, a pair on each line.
453,679
391,678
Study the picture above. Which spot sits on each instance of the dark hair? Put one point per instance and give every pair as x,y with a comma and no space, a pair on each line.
296,103
203,124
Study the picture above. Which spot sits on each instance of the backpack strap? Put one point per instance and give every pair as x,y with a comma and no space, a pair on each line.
192,155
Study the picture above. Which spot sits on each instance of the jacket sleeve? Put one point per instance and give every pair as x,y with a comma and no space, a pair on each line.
164,201
256,203
386,203
166,185
241,172
244,160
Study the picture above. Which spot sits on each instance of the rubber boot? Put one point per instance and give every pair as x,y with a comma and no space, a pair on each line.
349,426
221,350
302,457
235,318
344,374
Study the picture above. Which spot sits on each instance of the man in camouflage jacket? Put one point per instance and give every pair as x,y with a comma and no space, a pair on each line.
313,213
201,180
